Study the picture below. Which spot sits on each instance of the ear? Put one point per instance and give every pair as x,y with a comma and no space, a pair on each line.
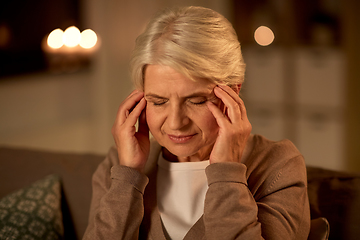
236,88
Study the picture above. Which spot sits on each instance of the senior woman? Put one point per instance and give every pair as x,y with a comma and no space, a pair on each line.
202,175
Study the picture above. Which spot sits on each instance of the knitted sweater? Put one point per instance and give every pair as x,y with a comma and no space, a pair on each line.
265,197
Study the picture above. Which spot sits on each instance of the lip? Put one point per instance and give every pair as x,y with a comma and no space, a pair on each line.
180,138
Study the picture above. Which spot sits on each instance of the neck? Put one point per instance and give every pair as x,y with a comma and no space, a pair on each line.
199,156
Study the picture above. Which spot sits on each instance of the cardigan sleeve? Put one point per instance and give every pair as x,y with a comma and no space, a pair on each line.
281,211
117,208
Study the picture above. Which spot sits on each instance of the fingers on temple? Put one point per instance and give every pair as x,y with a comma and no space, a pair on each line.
231,92
136,112
128,106
232,102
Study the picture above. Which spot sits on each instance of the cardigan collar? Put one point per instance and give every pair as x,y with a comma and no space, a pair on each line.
152,224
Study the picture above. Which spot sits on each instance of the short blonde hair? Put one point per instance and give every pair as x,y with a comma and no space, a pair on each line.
195,41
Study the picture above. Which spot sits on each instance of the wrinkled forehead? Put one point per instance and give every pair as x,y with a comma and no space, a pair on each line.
159,78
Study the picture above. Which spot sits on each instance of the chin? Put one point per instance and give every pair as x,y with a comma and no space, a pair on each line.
188,149
181,151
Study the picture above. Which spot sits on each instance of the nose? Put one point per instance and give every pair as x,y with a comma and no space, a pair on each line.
177,117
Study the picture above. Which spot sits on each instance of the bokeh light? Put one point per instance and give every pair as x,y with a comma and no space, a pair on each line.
55,39
264,36
72,40
71,37
88,39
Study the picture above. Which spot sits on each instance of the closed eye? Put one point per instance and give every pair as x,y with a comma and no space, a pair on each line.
159,103
156,100
198,102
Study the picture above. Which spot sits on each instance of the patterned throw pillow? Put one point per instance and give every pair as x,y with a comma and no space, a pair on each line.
33,212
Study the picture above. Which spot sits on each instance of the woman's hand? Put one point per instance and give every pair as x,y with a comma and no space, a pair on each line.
133,147
234,126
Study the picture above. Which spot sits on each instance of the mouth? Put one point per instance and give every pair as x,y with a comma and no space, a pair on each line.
180,138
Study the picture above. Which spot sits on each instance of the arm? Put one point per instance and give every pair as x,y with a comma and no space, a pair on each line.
118,183
230,211
284,205
280,211
230,208
117,203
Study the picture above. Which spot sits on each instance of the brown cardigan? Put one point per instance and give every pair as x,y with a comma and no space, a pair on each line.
263,198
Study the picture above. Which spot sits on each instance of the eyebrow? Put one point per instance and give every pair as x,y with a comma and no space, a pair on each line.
153,95
192,95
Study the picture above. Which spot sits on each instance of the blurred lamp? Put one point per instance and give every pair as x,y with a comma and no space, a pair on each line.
69,50
54,39
264,36
71,37
88,39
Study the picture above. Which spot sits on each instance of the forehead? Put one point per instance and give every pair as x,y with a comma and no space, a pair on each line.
166,80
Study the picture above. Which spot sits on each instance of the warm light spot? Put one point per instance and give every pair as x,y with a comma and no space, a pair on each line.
264,36
5,36
55,39
71,37
88,39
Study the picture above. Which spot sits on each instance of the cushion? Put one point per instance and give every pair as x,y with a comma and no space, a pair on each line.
19,167
33,212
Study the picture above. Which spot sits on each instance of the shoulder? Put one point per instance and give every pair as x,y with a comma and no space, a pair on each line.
112,159
269,152
274,160
102,174
264,146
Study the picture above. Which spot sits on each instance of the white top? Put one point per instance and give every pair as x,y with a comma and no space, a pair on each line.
181,189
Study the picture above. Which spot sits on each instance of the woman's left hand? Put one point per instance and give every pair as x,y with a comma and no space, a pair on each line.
234,126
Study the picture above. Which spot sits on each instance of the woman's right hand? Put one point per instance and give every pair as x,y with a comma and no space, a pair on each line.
133,147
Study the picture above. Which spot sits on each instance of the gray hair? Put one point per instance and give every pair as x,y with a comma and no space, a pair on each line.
195,41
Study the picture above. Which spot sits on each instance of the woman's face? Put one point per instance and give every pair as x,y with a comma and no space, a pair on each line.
177,114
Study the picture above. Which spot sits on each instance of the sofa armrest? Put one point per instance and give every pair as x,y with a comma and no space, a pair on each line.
319,229
335,196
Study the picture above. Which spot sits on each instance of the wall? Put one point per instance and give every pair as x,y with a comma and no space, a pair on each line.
351,32
305,105
75,111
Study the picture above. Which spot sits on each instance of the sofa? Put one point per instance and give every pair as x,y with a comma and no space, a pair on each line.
334,196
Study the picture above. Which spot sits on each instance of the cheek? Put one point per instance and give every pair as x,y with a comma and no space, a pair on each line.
153,119
206,121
